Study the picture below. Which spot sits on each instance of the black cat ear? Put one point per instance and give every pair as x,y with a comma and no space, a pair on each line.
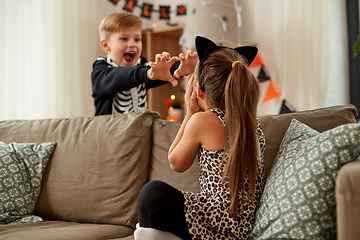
204,47
247,51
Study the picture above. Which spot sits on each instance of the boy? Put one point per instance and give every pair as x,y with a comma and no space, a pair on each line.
120,81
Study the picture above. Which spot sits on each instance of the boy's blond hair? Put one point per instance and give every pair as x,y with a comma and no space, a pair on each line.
115,21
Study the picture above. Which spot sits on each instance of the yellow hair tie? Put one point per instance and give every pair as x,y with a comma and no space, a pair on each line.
235,62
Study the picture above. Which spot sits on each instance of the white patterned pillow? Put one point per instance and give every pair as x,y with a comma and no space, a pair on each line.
299,196
22,166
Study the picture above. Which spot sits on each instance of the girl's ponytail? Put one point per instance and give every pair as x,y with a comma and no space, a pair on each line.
231,86
241,98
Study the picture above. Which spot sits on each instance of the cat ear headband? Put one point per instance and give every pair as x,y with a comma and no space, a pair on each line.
205,46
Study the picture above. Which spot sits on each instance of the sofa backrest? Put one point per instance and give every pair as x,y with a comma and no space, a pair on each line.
164,133
100,163
97,169
321,119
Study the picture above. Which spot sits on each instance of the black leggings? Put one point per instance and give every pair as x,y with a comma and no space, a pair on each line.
161,206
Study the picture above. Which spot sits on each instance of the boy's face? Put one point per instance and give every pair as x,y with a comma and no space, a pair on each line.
124,47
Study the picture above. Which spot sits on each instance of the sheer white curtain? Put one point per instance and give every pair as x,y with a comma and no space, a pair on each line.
47,48
303,44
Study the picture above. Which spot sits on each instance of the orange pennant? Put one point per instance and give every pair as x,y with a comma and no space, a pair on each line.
271,92
257,61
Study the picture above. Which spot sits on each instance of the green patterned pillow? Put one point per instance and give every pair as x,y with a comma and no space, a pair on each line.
22,166
299,196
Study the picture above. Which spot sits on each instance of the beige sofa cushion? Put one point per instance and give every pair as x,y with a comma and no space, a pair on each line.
98,167
348,201
61,230
163,135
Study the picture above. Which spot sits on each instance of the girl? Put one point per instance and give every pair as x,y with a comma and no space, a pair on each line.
221,126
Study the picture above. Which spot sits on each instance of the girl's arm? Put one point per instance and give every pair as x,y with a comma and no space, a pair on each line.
186,143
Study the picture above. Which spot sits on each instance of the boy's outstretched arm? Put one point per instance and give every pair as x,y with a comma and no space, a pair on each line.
187,64
160,69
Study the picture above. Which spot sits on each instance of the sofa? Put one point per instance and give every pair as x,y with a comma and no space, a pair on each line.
94,168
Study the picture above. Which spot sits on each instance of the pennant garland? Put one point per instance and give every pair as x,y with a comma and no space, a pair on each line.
263,75
258,69
271,92
130,4
257,62
148,9
114,1
164,12
181,10
286,107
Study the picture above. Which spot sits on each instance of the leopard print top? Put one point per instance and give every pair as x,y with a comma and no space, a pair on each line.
207,212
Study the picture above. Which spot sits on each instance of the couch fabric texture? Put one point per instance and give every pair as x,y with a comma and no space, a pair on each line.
90,185
22,167
299,198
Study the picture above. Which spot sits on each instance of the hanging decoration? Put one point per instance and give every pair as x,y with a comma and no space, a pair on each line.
263,75
272,92
164,12
114,1
286,107
257,62
226,22
130,4
147,9
181,10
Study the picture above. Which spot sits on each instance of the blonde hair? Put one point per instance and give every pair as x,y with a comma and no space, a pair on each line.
115,21
236,91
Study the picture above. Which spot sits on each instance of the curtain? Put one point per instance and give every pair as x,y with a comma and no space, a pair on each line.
303,44
353,20
47,49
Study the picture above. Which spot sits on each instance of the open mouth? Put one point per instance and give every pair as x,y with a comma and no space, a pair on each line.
129,57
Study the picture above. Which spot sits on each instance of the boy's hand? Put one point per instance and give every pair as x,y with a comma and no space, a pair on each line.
160,69
187,64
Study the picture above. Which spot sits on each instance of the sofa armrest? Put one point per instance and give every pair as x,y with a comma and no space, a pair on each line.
348,201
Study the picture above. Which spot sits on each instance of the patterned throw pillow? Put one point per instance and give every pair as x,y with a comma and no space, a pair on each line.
22,166
299,196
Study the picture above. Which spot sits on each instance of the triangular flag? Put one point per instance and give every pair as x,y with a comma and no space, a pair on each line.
114,1
271,92
255,70
263,75
286,107
257,61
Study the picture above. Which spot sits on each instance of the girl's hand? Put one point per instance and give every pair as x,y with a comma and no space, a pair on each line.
187,64
191,103
160,69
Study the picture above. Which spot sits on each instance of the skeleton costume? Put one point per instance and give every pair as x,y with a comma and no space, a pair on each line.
118,90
